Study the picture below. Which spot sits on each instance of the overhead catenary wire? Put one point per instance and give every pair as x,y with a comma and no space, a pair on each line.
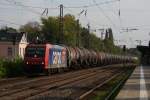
19,4
16,3
82,6
93,5
85,13
98,6
137,26
17,24
47,8
36,7
69,8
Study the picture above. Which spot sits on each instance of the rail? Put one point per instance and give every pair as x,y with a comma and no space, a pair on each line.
93,89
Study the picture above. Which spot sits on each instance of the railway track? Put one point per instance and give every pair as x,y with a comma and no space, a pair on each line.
5,84
14,82
87,93
31,88
42,80
73,90
10,80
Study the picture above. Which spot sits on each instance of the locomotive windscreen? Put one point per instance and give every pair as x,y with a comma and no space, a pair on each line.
35,52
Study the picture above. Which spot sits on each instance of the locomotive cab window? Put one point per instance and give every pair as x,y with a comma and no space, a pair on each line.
39,52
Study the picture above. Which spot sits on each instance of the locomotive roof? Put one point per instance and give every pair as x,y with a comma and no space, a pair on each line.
58,47
32,44
52,46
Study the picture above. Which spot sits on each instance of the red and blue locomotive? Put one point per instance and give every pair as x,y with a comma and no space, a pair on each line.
47,58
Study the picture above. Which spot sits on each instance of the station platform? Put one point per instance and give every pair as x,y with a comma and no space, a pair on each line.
137,86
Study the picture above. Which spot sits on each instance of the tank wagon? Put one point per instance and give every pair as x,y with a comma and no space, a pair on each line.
48,58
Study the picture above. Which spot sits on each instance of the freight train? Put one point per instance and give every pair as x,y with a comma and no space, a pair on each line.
49,58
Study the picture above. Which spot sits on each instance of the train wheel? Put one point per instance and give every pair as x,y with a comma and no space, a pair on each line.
48,72
59,70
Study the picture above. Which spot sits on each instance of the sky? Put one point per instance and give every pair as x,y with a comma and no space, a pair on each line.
134,14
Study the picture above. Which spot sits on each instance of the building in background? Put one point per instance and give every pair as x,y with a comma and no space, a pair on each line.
145,54
12,45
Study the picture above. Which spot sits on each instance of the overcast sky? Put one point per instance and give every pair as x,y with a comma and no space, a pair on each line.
134,14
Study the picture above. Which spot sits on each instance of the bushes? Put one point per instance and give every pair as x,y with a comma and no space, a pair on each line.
11,68
2,69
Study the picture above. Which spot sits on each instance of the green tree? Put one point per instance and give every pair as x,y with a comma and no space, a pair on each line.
33,30
108,41
50,28
84,37
70,30
111,38
70,36
8,29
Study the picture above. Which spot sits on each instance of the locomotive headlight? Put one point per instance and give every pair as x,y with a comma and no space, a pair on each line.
42,63
27,63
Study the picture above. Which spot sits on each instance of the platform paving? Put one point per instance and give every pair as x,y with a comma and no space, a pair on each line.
137,86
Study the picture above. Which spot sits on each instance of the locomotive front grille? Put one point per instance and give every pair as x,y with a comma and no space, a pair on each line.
36,68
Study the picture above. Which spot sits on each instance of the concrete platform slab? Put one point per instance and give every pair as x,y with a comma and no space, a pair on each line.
137,86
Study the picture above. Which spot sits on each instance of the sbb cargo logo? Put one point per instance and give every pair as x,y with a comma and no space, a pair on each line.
56,57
